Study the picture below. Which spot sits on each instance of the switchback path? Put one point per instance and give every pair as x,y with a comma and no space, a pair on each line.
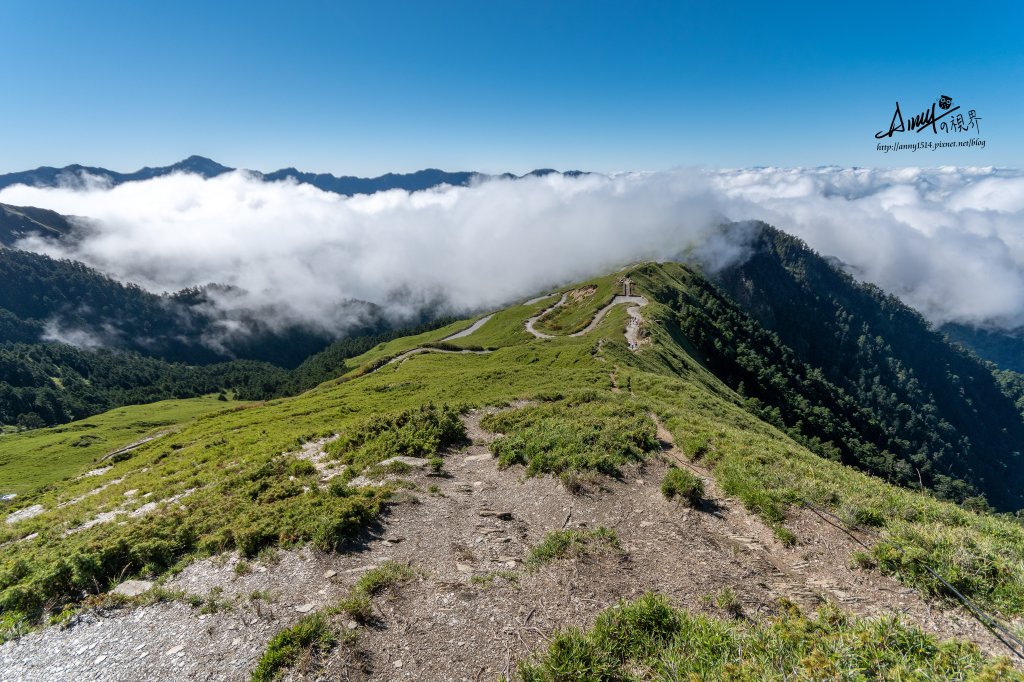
631,332
470,329
457,335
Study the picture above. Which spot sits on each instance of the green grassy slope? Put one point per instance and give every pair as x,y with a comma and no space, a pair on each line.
242,491
32,459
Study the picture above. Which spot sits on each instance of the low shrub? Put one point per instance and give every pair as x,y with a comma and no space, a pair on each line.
682,485
560,544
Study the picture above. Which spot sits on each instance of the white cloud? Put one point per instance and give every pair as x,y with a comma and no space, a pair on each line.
301,251
948,241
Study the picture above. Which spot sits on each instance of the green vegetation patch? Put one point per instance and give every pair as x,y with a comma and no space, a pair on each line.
581,305
681,484
315,633
311,634
649,639
585,432
32,459
561,544
418,432
358,603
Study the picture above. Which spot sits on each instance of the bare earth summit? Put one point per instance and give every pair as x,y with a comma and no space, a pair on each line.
443,625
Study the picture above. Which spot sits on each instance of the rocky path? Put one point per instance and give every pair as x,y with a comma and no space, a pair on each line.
474,609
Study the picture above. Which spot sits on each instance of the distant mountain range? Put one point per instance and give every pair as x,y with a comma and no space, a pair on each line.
48,176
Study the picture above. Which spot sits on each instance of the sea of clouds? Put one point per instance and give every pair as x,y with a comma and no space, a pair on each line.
947,241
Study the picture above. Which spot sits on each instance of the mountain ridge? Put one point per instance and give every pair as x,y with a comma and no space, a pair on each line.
346,185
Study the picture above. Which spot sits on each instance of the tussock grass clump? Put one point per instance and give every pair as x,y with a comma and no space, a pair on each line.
315,633
559,544
650,639
311,634
417,432
358,604
681,484
587,432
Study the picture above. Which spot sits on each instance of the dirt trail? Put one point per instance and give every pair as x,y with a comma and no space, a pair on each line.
461,619
536,318
633,327
470,329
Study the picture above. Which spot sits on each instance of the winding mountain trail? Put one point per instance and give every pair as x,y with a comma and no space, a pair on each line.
536,318
470,329
457,335
632,330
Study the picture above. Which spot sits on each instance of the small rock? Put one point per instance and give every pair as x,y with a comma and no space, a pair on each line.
646,524
510,564
398,663
26,513
408,461
330,574
464,568
479,458
100,659
352,625
504,516
174,651
305,608
236,641
133,588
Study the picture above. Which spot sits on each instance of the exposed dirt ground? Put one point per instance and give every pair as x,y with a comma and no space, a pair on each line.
461,619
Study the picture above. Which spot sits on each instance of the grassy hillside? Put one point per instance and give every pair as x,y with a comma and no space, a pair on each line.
33,459
231,480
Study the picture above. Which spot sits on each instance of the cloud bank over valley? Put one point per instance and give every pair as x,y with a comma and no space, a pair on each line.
949,241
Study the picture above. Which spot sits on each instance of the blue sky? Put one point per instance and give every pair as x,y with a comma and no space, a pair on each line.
366,88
